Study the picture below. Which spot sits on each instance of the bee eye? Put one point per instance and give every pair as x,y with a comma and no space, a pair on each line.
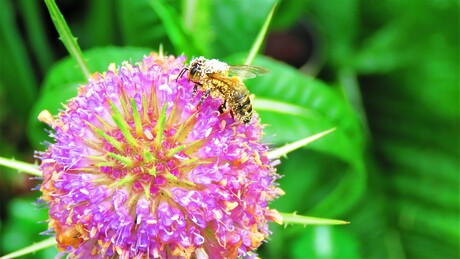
194,70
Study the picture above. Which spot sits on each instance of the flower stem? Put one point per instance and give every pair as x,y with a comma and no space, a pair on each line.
260,37
21,166
66,36
32,248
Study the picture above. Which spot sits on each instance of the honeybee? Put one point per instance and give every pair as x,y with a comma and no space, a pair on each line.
221,80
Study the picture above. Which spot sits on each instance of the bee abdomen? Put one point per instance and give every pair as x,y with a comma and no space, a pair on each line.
242,108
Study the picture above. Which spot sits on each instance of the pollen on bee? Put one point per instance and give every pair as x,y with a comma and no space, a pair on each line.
214,65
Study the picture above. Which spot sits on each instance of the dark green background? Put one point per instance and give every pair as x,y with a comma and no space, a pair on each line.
385,73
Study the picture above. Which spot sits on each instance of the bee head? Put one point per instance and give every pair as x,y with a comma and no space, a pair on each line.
195,68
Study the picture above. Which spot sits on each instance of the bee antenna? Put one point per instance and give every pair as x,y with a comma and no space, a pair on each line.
181,73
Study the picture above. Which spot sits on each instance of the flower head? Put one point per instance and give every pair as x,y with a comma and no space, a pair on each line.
137,170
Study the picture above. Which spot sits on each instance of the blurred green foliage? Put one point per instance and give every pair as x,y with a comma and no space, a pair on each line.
388,80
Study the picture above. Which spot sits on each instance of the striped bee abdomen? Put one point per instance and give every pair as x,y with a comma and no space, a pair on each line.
242,107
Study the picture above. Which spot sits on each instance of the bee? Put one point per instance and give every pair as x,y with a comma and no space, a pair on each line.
221,80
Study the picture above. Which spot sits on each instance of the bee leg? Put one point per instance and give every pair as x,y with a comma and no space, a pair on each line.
195,88
231,113
206,94
223,107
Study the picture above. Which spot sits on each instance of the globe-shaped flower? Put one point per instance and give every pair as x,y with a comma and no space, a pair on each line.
139,170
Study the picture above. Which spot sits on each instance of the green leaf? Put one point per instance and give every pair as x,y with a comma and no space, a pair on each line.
196,19
392,39
410,93
311,242
290,12
22,227
35,29
99,24
339,26
235,24
174,28
325,242
63,79
17,76
139,25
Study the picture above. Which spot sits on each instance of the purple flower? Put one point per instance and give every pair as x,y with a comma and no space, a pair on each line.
139,171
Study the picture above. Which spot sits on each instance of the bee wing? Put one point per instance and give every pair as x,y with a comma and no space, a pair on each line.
247,71
234,82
